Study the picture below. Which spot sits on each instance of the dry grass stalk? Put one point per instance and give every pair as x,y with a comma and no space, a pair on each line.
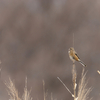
26,95
74,76
44,90
66,87
13,92
45,93
98,71
83,91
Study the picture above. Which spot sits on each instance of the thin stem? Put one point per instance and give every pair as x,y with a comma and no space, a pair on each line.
65,86
44,90
73,40
74,79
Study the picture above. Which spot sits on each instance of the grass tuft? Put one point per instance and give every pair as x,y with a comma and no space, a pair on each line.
13,92
83,90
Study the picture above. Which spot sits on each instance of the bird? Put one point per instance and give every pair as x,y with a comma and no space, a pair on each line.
74,56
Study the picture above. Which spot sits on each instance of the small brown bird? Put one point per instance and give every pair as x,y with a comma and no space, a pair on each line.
73,56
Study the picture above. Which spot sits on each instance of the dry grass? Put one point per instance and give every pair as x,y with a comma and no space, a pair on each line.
13,92
14,95
74,76
81,94
83,90
45,95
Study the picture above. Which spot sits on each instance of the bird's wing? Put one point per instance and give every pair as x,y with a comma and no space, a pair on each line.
77,57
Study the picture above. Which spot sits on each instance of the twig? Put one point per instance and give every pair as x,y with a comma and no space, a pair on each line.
65,86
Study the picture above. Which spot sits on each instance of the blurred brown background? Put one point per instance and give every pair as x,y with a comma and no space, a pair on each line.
35,36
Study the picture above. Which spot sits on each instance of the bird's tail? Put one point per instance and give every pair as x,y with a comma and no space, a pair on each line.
82,63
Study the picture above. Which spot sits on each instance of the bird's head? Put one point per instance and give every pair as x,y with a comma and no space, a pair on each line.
71,48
